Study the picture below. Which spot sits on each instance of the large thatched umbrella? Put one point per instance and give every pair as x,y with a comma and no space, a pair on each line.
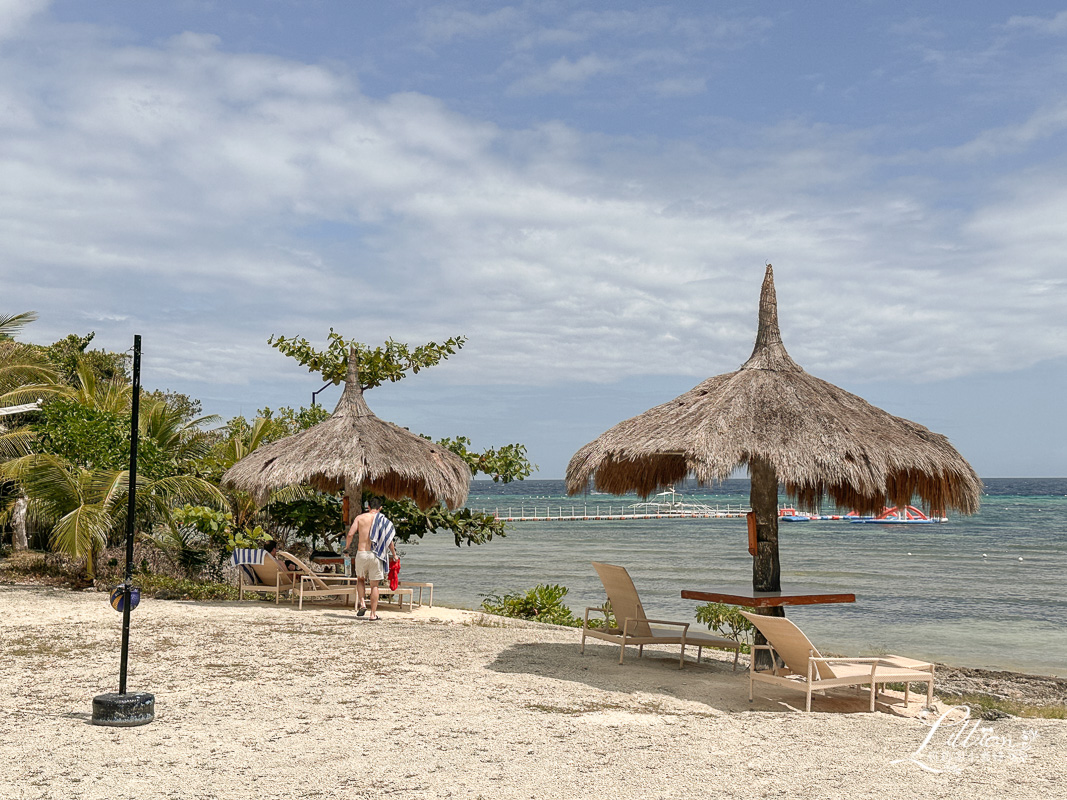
787,427
353,450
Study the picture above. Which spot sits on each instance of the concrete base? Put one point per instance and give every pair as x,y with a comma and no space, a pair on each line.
124,710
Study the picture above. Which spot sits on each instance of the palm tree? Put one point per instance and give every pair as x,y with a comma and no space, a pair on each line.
84,506
24,372
25,377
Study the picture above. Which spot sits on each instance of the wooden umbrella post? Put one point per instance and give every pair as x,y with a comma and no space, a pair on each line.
766,568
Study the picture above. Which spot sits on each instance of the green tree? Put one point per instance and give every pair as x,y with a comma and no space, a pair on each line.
76,480
26,376
85,508
70,355
239,437
188,408
392,362
389,362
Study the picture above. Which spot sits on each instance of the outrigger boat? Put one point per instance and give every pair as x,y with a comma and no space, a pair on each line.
909,515
668,502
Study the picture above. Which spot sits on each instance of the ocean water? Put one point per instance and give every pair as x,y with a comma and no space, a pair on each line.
981,591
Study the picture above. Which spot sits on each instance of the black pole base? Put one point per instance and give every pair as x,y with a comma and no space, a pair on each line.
124,710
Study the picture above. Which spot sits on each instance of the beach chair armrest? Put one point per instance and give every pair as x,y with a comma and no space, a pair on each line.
601,609
683,625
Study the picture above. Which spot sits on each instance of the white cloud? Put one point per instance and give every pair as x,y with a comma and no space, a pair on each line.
1043,124
208,199
564,75
446,23
14,14
1054,25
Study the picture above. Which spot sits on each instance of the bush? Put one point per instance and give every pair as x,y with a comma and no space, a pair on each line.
727,621
543,603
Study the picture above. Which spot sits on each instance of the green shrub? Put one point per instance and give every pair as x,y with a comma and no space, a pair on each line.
543,603
727,621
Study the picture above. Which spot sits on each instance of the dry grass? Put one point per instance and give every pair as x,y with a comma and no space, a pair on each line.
32,646
988,707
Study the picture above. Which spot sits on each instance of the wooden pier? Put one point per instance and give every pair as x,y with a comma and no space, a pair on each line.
607,513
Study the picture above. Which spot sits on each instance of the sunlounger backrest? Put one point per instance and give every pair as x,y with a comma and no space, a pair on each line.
790,643
622,594
267,572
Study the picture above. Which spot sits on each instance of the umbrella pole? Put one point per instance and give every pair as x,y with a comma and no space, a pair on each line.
766,569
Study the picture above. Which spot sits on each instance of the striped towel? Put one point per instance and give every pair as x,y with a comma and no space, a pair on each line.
244,556
247,555
381,536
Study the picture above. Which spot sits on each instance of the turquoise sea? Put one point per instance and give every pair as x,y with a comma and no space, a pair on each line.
980,591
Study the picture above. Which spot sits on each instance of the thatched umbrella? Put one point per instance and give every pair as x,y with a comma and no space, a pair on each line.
354,450
787,427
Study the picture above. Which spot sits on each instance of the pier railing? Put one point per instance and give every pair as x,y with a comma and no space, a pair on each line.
586,513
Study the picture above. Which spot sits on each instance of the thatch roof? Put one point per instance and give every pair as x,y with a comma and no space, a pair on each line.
356,446
820,440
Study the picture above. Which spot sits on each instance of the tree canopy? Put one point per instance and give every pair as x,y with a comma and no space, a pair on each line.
67,462
392,362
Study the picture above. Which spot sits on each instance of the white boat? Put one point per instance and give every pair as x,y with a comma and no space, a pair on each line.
669,502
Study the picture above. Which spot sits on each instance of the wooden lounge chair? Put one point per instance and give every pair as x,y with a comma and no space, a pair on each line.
271,578
807,671
313,584
637,629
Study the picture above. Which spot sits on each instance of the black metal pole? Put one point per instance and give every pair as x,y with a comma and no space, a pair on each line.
325,386
130,506
137,708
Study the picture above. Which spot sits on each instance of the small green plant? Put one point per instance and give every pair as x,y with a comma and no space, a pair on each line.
543,603
727,621
199,539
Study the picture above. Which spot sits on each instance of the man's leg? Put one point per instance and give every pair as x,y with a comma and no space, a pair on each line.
374,601
361,592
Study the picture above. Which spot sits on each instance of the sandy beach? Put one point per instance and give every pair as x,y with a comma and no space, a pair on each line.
255,700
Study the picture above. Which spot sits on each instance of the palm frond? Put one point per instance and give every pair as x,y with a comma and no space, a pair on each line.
47,478
185,489
82,531
16,443
10,324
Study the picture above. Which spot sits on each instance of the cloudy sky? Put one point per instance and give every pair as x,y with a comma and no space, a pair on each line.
587,191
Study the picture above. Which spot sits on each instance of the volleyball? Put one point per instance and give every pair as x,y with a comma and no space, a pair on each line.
119,592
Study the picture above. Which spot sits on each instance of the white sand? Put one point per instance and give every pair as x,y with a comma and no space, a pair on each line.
259,701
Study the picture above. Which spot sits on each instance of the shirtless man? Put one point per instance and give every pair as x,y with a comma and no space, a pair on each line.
367,565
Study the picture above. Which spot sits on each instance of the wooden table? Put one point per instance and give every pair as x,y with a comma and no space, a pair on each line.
747,597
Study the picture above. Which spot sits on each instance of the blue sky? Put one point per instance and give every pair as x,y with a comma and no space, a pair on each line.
587,191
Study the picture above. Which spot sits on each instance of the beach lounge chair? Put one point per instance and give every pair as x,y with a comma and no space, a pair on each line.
313,584
265,578
637,629
807,671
